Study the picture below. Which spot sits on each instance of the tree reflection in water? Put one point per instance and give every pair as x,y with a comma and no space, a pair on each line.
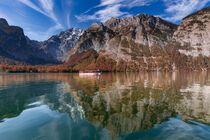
118,102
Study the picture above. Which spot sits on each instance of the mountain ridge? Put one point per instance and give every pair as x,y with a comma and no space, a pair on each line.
136,43
139,43
14,46
59,45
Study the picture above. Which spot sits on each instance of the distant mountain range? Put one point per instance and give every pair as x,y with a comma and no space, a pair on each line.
59,45
143,42
16,48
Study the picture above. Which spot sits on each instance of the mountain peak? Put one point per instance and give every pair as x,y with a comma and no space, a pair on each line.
112,22
3,22
59,45
194,32
200,12
97,27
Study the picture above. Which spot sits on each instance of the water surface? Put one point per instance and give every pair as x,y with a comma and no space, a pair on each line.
144,106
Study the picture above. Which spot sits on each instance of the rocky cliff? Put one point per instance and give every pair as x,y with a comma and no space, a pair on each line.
126,38
140,43
59,45
16,48
144,42
194,32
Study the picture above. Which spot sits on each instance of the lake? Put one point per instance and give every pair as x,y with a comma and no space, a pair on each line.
119,106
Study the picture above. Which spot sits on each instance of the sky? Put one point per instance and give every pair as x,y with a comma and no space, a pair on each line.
41,19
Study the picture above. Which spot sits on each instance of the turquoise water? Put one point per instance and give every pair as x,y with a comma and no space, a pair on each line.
139,106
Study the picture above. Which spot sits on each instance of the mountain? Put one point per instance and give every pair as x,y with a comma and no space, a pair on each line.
15,47
131,43
144,43
58,46
194,32
136,43
116,35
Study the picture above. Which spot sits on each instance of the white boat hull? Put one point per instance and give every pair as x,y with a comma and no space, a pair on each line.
90,74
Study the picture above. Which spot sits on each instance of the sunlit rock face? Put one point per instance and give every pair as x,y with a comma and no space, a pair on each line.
132,39
145,43
144,29
136,43
117,102
117,34
194,32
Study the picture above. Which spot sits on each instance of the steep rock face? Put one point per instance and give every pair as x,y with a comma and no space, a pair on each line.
146,42
59,45
5,60
132,39
120,37
144,29
15,47
194,32
136,43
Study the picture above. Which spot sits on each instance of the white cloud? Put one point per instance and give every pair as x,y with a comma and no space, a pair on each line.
54,28
66,6
33,6
109,2
137,3
125,3
175,10
178,9
68,20
112,8
104,14
57,14
41,35
47,7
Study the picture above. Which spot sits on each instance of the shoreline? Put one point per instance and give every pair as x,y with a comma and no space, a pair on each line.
68,69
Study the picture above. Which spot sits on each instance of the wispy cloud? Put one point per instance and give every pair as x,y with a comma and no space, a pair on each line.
112,8
178,9
104,14
47,10
41,35
68,20
109,2
137,3
175,10
33,6
125,3
58,13
47,6
66,5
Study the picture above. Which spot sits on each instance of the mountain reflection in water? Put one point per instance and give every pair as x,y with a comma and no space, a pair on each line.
117,105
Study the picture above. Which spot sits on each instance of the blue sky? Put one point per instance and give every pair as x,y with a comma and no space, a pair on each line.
41,19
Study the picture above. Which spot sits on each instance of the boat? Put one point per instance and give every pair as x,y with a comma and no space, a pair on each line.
90,72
